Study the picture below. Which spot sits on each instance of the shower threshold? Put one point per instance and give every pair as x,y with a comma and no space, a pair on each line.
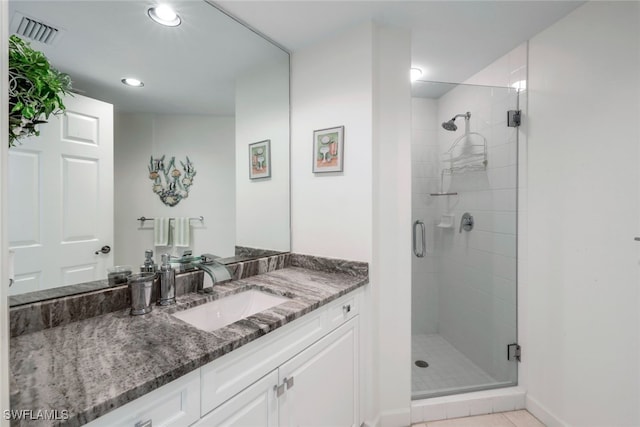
448,371
418,395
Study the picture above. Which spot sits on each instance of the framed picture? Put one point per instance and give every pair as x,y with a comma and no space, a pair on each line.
260,159
328,150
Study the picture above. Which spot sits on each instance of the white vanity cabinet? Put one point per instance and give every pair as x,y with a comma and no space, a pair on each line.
305,373
321,382
317,387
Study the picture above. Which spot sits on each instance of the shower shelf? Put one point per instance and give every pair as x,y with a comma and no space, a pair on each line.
469,157
446,220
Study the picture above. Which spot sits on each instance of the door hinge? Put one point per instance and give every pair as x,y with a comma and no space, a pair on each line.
514,118
514,351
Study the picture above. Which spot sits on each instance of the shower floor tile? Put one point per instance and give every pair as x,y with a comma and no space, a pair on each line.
448,369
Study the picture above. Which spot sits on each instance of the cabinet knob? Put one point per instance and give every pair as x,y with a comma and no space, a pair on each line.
147,423
278,389
346,308
289,382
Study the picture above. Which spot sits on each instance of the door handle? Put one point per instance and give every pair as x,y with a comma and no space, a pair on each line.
415,239
104,250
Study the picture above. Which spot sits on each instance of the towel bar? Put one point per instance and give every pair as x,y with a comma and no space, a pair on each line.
143,219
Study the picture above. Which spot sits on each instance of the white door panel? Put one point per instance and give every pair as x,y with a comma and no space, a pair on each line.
24,190
61,198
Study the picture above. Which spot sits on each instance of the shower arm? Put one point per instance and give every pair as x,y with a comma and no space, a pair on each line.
466,116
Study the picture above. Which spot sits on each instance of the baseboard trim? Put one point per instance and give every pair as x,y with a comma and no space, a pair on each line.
374,423
539,411
398,418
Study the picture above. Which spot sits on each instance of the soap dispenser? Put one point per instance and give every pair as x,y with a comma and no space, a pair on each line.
149,266
167,282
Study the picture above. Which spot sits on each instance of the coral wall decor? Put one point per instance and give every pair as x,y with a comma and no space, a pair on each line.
170,183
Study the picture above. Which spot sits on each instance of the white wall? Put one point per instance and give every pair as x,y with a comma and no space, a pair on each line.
262,112
359,80
504,71
331,85
209,143
391,266
582,319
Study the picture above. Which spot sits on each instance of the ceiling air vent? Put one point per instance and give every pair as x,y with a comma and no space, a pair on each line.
34,29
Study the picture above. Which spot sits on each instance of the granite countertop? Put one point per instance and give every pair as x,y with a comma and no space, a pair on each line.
95,365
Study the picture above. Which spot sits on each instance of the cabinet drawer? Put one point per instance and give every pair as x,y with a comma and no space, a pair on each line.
342,310
230,374
176,404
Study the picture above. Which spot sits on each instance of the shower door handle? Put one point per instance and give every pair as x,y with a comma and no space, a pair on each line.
415,239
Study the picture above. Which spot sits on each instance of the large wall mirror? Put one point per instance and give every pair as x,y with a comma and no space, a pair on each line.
212,88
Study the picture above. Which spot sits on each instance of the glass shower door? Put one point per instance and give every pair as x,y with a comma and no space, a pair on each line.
464,167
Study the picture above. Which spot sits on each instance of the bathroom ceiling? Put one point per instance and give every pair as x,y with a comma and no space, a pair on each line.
451,40
104,41
188,69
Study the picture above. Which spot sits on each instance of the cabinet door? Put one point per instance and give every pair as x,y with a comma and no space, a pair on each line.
321,382
255,406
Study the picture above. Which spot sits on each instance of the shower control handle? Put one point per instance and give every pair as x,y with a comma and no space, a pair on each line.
415,239
466,222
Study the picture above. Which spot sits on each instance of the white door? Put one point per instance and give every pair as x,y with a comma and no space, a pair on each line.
61,198
321,382
255,406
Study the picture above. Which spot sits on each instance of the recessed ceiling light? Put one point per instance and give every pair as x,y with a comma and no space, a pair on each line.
130,81
165,15
416,73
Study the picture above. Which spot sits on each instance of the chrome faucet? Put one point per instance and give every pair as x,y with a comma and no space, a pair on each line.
218,272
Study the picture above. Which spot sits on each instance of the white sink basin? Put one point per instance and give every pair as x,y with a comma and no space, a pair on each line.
224,311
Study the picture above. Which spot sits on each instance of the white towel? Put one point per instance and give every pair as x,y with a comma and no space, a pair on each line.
181,232
161,231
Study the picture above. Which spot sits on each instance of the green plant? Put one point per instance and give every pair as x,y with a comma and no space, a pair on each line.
35,89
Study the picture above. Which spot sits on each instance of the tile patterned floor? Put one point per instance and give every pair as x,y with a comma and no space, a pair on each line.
504,419
448,368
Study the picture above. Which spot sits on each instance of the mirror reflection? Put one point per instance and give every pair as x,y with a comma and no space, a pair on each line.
172,146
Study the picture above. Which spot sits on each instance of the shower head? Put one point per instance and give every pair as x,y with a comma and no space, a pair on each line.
450,125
